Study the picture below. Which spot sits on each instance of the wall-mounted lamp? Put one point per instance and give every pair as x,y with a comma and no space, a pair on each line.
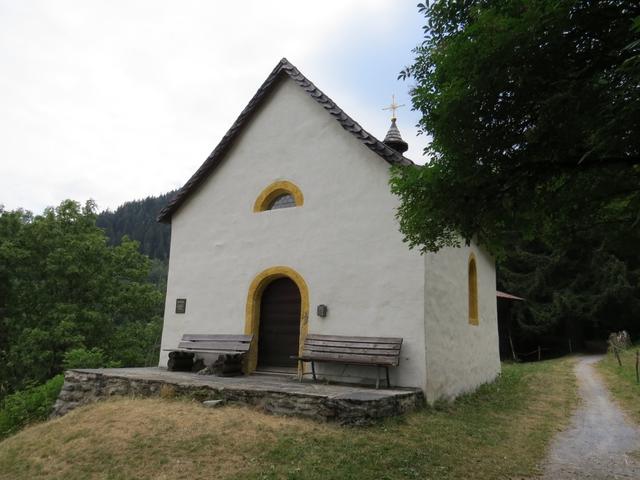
322,310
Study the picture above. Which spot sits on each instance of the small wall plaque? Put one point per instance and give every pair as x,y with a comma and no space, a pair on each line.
181,305
322,311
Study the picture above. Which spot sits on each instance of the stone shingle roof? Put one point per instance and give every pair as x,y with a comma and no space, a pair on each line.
284,67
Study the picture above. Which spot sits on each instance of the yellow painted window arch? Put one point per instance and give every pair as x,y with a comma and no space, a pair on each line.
474,318
276,190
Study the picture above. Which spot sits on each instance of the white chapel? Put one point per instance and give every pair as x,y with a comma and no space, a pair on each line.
288,229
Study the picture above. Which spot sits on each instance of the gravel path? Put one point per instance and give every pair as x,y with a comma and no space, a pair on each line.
600,438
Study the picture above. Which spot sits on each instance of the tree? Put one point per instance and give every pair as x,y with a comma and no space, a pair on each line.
534,110
137,220
584,291
63,288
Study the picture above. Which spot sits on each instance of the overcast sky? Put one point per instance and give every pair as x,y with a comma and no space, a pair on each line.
118,100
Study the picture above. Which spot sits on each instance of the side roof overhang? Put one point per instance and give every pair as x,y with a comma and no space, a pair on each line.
508,296
284,67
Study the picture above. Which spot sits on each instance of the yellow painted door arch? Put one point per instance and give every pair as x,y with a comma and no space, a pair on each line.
252,313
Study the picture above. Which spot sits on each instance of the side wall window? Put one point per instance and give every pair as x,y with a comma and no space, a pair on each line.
473,291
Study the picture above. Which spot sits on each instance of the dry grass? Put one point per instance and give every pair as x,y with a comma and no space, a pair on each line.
621,381
501,431
155,439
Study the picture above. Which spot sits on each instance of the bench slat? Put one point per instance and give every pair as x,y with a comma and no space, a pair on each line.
352,359
381,346
195,350
207,345
220,338
340,338
349,351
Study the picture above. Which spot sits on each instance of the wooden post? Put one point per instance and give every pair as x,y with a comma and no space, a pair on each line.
539,353
617,354
637,366
513,350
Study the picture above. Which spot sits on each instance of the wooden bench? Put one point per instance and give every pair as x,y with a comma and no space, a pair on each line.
371,351
222,344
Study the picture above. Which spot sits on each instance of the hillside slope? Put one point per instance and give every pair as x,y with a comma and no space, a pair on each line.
501,431
137,220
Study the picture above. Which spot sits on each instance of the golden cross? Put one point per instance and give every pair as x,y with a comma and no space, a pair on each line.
393,107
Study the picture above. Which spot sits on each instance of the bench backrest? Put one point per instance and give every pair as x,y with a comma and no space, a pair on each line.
357,350
216,343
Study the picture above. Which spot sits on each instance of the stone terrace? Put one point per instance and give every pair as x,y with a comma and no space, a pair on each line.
278,394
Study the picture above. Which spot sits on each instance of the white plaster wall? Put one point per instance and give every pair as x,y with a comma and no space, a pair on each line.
460,356
344,240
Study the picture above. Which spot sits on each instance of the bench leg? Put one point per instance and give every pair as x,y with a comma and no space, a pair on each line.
388,382
313,370
300,370
377,377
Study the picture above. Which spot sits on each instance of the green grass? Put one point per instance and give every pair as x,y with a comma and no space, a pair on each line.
622,380
500,431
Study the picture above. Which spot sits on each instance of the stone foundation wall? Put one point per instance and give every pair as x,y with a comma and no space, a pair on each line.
81,388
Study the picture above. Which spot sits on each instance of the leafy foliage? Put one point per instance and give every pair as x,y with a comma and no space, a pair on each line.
29,405
534,110
63,288
85,358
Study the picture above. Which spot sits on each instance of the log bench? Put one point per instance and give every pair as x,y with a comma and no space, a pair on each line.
370,351
233,345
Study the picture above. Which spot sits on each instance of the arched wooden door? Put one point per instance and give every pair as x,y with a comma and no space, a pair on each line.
279,334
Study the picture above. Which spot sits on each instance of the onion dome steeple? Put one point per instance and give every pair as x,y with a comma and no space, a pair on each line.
393,138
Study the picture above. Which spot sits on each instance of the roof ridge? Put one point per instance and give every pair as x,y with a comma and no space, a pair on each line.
215,157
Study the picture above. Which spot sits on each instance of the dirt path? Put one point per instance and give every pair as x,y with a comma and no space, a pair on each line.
600,439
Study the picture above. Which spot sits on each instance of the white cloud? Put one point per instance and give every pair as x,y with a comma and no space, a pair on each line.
115,100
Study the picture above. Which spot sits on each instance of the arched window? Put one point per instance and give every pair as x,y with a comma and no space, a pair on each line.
473,291
285,200
281,194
